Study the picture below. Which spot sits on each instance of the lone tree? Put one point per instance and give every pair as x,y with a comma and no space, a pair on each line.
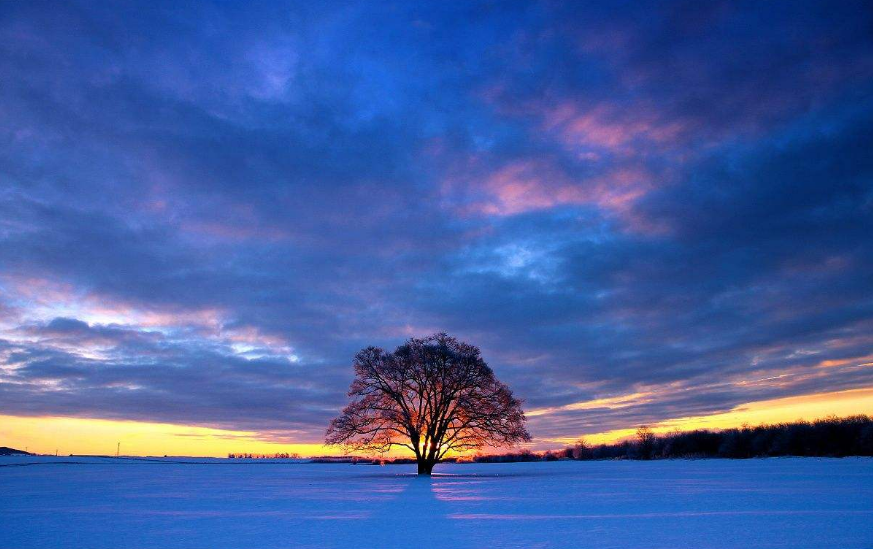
646,441
432,396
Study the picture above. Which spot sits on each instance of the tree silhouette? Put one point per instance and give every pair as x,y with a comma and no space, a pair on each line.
432,396
646,441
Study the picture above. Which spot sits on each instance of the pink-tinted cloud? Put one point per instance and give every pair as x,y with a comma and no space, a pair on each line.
535,185
608,128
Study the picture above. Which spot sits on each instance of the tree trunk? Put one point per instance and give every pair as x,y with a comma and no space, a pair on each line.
425,467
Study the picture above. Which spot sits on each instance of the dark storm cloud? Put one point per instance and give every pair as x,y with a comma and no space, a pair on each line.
205,211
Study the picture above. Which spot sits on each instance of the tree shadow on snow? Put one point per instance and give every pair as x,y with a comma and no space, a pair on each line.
417,515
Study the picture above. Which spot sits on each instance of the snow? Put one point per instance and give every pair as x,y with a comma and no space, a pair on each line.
107,502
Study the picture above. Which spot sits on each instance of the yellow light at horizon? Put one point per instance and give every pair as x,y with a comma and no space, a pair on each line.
69,435
809,407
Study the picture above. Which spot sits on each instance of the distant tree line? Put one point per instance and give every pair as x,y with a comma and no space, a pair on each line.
829,437
264,456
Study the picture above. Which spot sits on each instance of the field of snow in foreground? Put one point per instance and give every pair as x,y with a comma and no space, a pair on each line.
105,502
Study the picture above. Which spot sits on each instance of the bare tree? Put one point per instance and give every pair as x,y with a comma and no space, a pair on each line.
432,396
580,449
646,441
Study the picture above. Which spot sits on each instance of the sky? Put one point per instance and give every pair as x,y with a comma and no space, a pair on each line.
641,212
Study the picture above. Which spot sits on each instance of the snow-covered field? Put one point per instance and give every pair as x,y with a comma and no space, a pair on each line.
104,502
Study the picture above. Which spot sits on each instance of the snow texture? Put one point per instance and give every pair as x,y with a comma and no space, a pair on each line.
108,502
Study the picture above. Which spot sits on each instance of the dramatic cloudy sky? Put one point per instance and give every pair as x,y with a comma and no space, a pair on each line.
640,211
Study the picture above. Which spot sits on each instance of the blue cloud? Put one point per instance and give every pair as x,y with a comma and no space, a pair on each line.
205,211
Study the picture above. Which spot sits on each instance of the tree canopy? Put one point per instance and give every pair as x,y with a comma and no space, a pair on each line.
432,396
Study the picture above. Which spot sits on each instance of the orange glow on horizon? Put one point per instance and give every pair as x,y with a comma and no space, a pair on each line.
781,410
70,435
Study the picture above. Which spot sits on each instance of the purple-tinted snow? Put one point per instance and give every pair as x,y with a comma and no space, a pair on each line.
96,503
